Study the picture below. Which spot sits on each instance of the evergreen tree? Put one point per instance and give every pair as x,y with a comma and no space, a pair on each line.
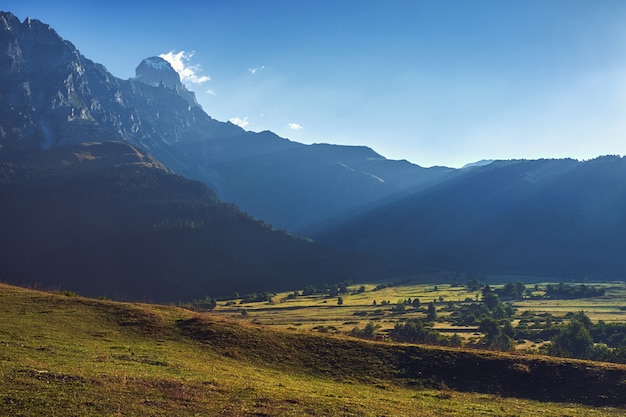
431,314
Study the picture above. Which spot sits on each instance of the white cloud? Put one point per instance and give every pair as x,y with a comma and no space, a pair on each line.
255,70
180,63
243,123
211,92
294,126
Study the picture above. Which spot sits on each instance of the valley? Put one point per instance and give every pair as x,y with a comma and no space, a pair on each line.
358,308
383,306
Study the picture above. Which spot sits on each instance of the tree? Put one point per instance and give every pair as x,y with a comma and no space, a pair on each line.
413,331
489,327
207,303
416,303
583,318
513,290
472,285
490,300
368,332
574,341
340,301
486,290
400,307
431,313
508,329
494,337
456,341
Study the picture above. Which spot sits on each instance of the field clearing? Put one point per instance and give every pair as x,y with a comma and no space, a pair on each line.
610,308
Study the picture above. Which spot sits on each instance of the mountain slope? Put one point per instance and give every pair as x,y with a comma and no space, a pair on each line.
50,95
105,219
554,217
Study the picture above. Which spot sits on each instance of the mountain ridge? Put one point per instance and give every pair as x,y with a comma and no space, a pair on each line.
78,100
540,217
503,216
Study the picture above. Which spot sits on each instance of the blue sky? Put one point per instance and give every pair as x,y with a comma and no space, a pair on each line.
436,82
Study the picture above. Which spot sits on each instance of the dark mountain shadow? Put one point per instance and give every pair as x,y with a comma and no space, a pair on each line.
104,219
547,217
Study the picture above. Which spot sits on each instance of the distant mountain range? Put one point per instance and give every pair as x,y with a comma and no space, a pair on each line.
559,218
553,217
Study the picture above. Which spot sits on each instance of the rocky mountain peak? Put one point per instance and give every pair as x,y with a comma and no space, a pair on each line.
156,71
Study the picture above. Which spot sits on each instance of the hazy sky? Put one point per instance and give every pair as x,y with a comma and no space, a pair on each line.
437,82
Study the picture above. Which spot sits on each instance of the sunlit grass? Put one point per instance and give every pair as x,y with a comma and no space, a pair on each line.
319,312
70,356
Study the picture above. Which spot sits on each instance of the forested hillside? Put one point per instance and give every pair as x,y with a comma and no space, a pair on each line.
561,218
107,220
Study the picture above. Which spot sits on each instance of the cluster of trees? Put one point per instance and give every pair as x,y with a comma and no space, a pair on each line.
416,331
204,304
573,291
368,332
257,297
518,290
582,339
492,317
402,305
332,290
472,313
513,290
382,286
498,335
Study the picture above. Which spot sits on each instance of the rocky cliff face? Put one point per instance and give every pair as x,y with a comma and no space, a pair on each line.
51,95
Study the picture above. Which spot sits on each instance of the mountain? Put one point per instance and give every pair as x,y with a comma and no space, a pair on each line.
50,95
555,217
545,217
157,72
480,163
105,219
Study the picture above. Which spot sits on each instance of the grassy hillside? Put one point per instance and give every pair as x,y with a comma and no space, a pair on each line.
65,355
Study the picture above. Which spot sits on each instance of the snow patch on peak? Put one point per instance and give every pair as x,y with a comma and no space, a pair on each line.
156,70
158,63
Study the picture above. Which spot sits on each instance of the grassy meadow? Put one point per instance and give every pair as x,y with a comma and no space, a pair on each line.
319,312
65,355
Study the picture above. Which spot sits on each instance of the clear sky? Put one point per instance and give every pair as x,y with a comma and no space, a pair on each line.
436,82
